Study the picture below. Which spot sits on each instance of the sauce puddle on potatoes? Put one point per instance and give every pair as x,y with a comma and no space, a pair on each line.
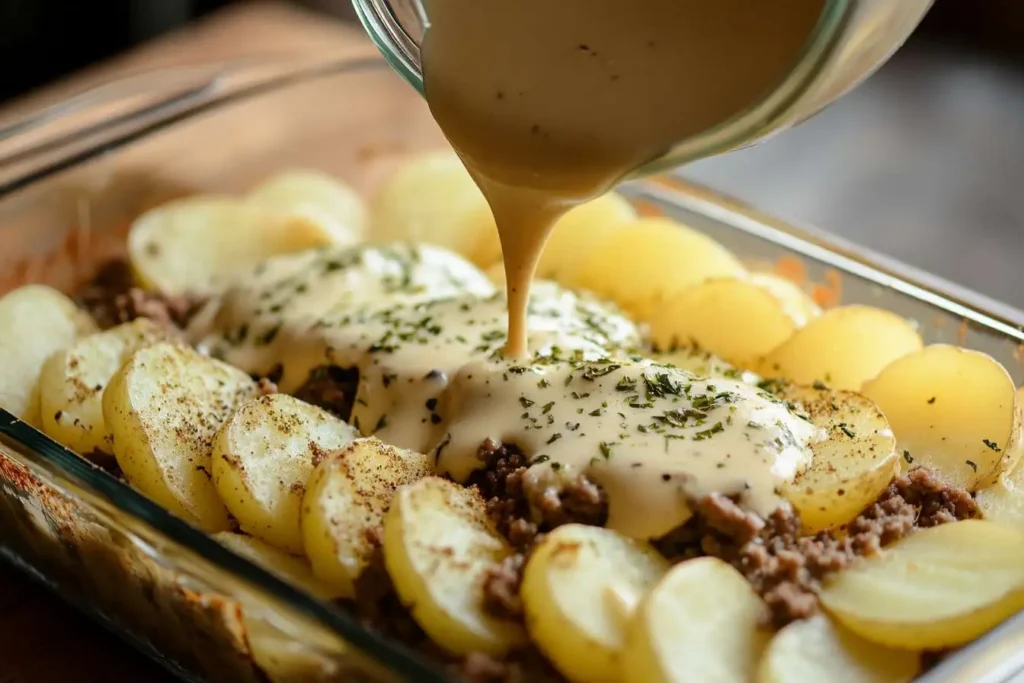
549,103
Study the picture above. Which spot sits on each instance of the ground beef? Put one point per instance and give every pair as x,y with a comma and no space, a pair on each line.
501,587
112,297
266,386
520,514
332,388
786,568
528,666
523,519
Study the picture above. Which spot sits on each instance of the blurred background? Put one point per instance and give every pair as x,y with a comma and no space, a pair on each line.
925,162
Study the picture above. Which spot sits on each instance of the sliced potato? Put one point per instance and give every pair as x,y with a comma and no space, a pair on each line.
644,263
72,382
843,347
293,570
346,499
939,587
954,411
496,274
1003,500
163,408
851,467
698,625
580,587
37,322
306,195
815,650
735,319
262,458
586,224
438,546
191,245
432,198
795,301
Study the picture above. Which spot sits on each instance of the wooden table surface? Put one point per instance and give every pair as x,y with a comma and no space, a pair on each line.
42,640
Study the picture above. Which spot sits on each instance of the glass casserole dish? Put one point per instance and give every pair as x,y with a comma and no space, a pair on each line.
73,177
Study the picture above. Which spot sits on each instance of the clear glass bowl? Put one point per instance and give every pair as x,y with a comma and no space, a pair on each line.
74,176
852,39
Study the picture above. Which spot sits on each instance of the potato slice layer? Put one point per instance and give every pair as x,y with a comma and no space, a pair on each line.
843,347
163,408
816,650
438,547
38,321
193,245
262,458
735,319
584,225
644,263
939,587
72,382
796,302
289,568
953,410
851,467
346,500
698,625
432,198
315,197
580,587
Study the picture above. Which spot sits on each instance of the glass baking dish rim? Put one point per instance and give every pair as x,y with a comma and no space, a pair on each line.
225,83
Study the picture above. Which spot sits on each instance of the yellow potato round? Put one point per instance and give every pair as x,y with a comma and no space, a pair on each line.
72,382
939,587
585,225
432,198
816,650
642,264
346,499
288,568
796,302
954,411
163,408
306,195
438,547
735,319
851,467
699,624
1002,501
194,245
843,347
38,321
496,274
580,587
262,458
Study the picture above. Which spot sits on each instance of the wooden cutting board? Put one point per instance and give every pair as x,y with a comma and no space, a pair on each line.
42,640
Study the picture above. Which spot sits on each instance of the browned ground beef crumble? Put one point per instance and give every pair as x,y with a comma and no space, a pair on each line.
112,297
785,568
332,388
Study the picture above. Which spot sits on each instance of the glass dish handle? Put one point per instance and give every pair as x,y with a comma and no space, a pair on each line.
47,140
